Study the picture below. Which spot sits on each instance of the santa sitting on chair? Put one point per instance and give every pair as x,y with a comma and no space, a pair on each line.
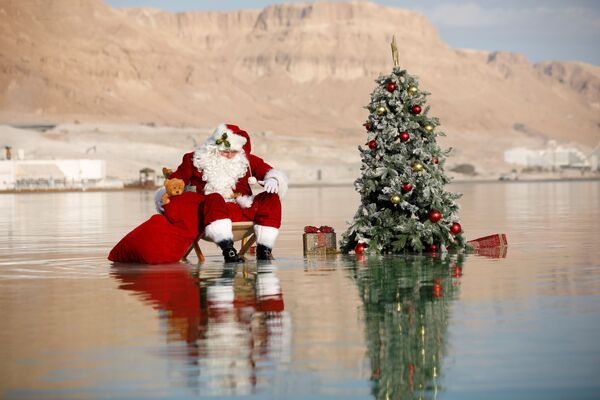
222,169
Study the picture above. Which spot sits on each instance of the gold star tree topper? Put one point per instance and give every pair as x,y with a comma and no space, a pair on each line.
395,52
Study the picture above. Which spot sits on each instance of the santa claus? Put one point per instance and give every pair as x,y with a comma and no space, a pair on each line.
222,169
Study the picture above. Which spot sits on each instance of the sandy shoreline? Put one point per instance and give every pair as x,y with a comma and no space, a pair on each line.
311,185
128,149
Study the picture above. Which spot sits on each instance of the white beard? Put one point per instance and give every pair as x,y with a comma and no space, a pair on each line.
220,174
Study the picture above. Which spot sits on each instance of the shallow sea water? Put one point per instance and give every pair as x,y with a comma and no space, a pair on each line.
520,325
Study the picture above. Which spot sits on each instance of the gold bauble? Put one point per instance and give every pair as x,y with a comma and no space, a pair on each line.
417,167
412,90
381,110
396,199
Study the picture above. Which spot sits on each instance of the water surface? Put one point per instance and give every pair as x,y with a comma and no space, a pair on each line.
520,326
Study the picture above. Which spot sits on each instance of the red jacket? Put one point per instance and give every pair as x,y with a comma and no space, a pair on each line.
192,176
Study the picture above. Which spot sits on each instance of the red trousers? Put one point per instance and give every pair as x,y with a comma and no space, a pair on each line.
265,210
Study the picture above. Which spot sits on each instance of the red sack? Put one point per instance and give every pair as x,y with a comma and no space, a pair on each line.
168,287
162,238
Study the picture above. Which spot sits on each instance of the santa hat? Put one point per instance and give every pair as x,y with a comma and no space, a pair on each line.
228,137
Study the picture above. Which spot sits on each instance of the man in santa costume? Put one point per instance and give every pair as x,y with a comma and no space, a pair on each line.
222,169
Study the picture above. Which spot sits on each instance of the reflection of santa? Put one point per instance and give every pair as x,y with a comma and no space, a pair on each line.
268,290
230,322
222,168
252,300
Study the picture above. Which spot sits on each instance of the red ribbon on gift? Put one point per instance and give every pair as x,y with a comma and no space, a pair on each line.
321,229
321,239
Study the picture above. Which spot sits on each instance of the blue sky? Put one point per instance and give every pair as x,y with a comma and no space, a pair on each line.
540,29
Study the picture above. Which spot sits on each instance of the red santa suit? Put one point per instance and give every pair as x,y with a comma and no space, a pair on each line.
226,184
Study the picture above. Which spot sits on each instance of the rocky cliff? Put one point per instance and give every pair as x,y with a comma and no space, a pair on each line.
294,69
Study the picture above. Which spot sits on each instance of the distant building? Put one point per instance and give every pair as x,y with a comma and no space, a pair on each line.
53,174
595,159
552,156
147,178
7,175
523,156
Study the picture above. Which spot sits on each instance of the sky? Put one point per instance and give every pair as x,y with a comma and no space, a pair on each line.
539,29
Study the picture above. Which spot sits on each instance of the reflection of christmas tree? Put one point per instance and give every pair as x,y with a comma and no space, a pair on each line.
406,316
404,206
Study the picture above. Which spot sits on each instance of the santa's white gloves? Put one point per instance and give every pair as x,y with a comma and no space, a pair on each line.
271,185
158,200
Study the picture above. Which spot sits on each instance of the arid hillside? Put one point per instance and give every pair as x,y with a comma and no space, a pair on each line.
302,70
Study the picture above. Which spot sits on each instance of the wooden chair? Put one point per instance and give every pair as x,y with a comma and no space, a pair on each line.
243,231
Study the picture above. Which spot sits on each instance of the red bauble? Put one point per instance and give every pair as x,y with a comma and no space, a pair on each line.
435,160
368,126
372,144
404,136
360,248
416,109
432,248
437,290
391,87
457,271
455,228
406,187
435,215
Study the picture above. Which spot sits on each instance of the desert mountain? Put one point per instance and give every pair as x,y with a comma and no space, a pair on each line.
302,70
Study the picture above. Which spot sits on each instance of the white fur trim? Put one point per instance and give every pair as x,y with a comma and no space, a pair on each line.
219,230
237,142
267,285
244,201
158,199
220,296
281,178
252,180
266,235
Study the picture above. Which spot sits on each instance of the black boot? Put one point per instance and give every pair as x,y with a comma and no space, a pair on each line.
263,253
229,252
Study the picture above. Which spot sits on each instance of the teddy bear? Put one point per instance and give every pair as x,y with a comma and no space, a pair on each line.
174,187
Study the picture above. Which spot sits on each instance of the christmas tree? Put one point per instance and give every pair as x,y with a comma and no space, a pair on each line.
404,206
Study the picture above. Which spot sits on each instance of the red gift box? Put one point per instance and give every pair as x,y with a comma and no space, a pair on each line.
496,240
493,246
319,241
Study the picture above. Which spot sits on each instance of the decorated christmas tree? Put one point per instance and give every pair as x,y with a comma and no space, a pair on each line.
404,205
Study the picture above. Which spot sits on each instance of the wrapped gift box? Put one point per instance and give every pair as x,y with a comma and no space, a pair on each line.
496,240
493,246
319,243
492,252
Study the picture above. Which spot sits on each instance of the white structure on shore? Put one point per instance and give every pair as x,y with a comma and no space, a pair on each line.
553,156
595,159
54,174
